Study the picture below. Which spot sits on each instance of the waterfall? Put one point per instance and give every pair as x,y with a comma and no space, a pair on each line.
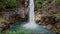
31,11
31,24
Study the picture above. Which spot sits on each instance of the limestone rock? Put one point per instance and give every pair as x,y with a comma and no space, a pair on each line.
3,22
46,19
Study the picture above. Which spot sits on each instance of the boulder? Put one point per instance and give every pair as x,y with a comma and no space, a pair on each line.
47,19
3,22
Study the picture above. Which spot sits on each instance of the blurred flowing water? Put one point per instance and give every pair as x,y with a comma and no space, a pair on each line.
31,24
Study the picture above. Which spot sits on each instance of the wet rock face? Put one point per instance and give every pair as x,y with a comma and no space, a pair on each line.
23,3
22,7
16,18
20,14
21,10
48,19
3,23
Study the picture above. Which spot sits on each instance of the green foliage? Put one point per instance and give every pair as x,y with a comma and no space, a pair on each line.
8,4
11,3
38,4
2,5
40,0
17,32
0,30
58,1
38,7
57,15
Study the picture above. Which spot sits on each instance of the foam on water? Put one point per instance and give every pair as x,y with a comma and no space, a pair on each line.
31,24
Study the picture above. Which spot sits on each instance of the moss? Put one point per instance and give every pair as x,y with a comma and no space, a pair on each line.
57,15
40,0
58,1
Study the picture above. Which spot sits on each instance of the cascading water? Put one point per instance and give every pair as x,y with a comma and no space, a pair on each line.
31,24
31,11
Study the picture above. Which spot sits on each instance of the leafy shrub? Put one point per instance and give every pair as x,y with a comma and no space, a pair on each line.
2,5
38,4
57,15
58,1
8,4
40,0
17,32
11,3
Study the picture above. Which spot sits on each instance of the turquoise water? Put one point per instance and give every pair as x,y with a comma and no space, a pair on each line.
36,30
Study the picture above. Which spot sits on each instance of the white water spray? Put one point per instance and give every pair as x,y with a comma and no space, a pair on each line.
31,24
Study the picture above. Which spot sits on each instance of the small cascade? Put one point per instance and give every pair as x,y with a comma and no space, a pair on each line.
31,24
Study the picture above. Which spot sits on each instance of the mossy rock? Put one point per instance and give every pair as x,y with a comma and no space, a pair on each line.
57,15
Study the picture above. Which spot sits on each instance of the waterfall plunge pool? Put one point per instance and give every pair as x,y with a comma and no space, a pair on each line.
36,30
31,26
